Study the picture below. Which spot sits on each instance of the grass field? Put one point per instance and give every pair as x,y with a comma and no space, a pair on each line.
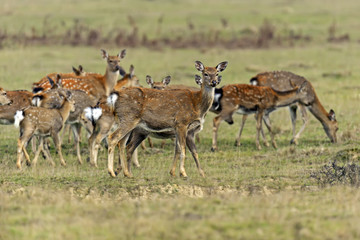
247,194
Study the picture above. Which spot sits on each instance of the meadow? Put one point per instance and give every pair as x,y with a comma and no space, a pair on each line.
246,194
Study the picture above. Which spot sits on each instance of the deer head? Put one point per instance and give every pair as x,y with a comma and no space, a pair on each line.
4,100
210,75
158,85
113,61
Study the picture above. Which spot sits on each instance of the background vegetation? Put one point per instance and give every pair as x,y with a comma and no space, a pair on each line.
309,191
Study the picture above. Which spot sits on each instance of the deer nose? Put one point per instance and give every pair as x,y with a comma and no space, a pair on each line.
213,83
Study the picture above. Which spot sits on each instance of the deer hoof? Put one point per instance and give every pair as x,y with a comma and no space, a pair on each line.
28,163
183,175
213,149
294,141
112,174
202,173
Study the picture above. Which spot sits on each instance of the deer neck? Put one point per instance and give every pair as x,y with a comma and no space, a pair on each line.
317,109
65,111
109,80
286,98
206,99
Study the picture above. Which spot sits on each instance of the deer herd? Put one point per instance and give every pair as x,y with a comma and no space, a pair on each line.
124,114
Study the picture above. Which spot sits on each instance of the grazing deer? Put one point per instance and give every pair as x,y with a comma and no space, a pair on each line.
249,99
283,81
95,85
53,99
164,113
42,122
19,99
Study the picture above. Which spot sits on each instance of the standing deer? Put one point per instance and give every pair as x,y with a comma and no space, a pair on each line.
164,84
283,81
248,99
42,122
165,113
53,99
95,85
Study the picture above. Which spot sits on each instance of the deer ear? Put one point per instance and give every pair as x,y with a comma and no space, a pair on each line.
81,69
166,80
77,72
104,54
331,115
149,80
58,80
131,71
221,66
198,80
52,83
122,54
199,66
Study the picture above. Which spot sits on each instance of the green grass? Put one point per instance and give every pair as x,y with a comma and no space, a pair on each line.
247,194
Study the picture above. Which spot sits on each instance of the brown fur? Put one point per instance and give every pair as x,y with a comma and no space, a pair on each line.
166,113
248,99
95,85
43,122
20,99
283,81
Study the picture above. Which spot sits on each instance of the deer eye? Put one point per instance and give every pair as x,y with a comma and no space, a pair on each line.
206,75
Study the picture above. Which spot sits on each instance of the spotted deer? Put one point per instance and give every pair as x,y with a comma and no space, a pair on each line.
53,99
248,99
164,84
38,86
95,85
42,122
283,81
165,113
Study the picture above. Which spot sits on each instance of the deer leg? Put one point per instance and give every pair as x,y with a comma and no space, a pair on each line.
40,148
98,134
47,153
216,123
268,125
76,129
292,110
131,148
305,121
182,144
20,153
176,156
33,144
150,142
258,116
197,138
57,143
237,141
21,144
190,142
113,139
